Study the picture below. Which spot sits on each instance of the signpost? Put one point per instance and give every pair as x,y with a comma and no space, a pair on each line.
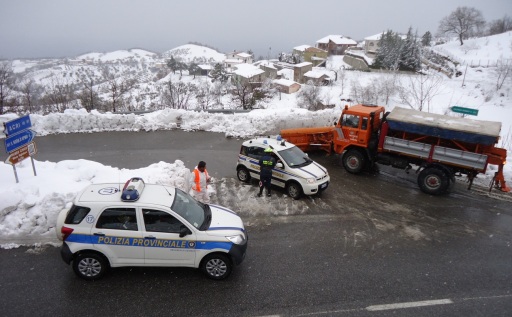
17,125
22,153
19,142
470,111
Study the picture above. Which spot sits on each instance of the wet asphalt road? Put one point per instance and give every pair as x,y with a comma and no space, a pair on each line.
368,240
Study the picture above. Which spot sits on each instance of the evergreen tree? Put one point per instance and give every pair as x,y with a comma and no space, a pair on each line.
172,64
193,69
219,72
410,59
388,54
426,39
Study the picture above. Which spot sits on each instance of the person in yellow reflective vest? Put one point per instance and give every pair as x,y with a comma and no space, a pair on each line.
267,163
200,180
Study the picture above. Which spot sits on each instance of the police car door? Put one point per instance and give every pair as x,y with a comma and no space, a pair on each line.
116,234
162,242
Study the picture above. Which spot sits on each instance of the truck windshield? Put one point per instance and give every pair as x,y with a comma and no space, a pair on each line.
294,157
196,213
350,121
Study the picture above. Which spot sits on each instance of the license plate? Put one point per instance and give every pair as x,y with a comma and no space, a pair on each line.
324,185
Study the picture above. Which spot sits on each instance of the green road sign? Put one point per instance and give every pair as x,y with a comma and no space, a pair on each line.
473,112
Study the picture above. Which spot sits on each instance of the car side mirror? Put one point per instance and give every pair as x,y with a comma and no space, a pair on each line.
184,231
279,165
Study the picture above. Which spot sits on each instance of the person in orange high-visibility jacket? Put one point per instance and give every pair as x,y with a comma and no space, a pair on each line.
199,181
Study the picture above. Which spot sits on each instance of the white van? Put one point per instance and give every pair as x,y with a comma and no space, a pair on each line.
295,171
141,224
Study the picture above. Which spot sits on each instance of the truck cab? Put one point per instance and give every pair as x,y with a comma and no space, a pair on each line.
356,127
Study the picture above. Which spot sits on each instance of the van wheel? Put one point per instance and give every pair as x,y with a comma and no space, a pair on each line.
216,266
433,181
294,190
243,175
353,161
90,266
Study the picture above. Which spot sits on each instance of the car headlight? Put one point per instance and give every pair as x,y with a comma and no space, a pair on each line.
238,239
311,180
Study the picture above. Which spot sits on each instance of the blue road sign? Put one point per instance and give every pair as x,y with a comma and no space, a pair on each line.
17,125
18,140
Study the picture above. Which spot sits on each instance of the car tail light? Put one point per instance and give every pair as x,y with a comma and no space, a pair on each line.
66,232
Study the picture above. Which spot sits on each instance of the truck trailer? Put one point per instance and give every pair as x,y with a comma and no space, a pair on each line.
440,147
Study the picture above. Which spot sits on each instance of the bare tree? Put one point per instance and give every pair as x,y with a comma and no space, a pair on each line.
178,94
417,91
500,26
7,81
117,87
342,75
462,22
503,70
60,95
365,94
30,91
309,97
242,94
387,86
89,96
204,95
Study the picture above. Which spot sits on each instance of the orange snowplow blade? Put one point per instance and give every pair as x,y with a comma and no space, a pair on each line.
309,139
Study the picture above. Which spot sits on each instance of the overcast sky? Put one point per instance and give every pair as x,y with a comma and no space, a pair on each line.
58,28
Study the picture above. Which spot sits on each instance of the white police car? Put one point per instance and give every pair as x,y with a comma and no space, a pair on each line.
148,225
294,171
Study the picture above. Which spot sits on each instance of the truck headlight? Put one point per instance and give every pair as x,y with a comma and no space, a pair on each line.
311,180
238,239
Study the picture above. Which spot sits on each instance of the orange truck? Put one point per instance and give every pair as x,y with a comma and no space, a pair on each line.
439,146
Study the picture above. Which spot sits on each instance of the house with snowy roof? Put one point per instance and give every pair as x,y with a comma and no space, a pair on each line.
235,58
300,69
268,67
286,86
335,44
318,76
311,54
204,69
247,73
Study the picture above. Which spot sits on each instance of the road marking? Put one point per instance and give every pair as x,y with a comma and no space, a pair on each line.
409,304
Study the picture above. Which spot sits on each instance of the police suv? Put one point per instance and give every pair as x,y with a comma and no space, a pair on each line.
148,225
294,171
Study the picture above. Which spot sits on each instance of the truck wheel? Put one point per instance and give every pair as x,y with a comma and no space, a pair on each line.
294,190
90,266
243,175
433,181
353,161
216,266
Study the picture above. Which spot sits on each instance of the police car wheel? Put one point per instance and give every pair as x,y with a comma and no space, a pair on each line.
294,190
216,266
90,266
243,175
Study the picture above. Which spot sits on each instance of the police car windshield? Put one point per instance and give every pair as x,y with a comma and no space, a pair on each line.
294,157
189,208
